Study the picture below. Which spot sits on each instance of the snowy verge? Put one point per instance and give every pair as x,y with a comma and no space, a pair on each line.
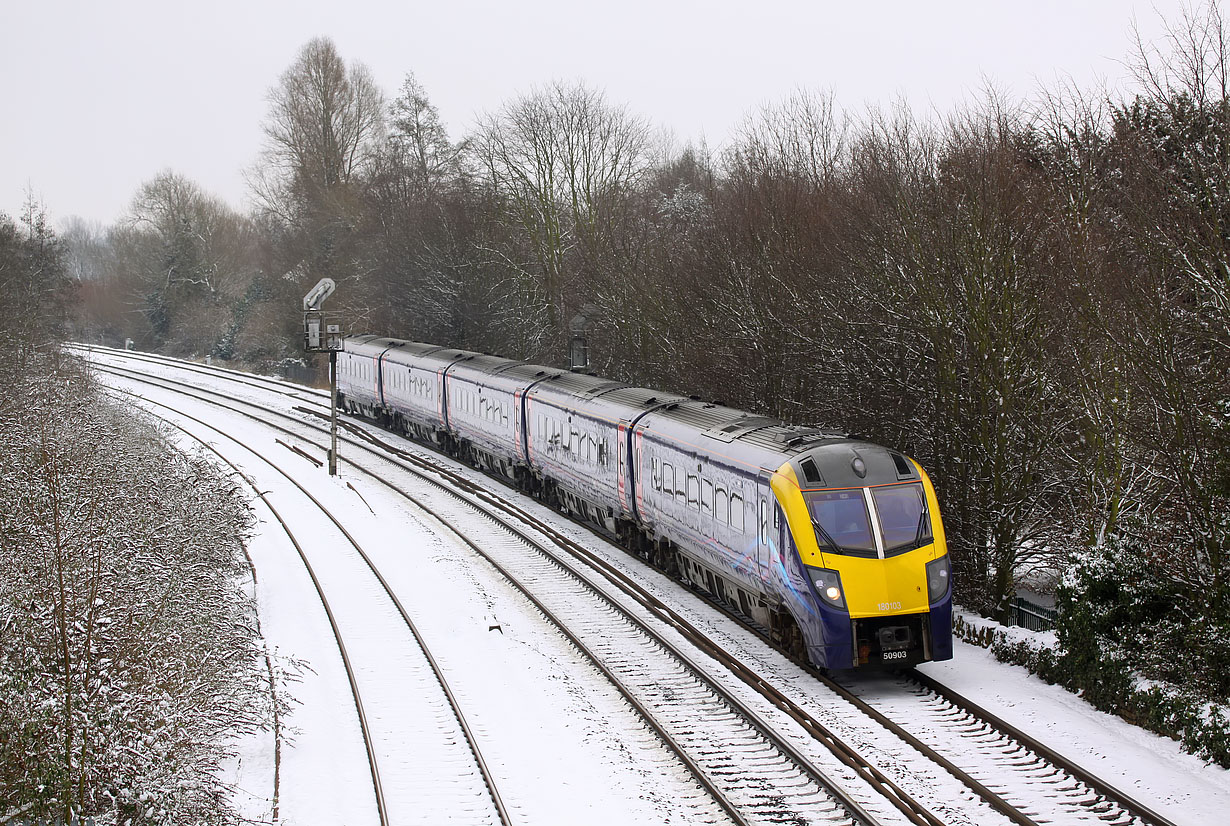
1202,728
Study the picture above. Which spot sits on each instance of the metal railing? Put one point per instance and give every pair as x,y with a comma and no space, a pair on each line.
1033,616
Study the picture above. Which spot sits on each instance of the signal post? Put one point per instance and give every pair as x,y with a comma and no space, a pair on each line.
319,336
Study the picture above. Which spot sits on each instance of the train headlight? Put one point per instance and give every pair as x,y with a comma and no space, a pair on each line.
828,586
937,578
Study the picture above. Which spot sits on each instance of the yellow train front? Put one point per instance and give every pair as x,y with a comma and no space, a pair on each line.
863,528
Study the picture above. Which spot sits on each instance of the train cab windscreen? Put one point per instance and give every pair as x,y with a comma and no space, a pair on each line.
902,514
841,521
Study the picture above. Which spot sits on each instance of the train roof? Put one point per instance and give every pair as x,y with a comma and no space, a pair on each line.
484,364
529,373
399,352
719,422
605,397
727,424
581,385
364,343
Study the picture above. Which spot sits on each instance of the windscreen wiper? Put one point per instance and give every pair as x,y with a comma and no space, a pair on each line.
922,524
825,537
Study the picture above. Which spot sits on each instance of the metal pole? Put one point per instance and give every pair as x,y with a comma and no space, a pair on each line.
333,412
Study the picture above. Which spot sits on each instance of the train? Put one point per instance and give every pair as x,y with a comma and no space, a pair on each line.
832,544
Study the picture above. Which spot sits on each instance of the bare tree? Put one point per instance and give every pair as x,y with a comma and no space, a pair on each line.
805,137
184,260
34,282
322,133
419,143
561,164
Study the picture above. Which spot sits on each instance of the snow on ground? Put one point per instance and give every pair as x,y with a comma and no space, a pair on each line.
559,737
1146,766
552,727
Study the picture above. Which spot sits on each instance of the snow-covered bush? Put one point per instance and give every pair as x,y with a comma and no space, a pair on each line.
1104,670
1137,641
128,651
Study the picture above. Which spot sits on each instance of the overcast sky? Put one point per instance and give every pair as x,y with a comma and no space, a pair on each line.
100,96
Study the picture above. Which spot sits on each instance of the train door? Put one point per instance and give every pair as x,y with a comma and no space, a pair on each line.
635,446
764,538
377,382
443,386
522,451
622,441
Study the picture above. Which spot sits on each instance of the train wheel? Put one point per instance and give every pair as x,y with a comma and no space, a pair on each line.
786,632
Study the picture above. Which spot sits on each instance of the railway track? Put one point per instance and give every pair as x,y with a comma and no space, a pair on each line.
702,723
1081,788
1088,799
420,736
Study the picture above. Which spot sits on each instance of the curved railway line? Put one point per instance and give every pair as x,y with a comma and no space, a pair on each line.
666,696
1076,791
382,807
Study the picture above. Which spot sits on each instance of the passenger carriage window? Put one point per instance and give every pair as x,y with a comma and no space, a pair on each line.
655,472
721,507
706,497
668,478
693,490
736,512
764,522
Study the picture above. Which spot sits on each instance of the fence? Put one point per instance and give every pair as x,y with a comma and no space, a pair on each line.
1033,616
302,374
